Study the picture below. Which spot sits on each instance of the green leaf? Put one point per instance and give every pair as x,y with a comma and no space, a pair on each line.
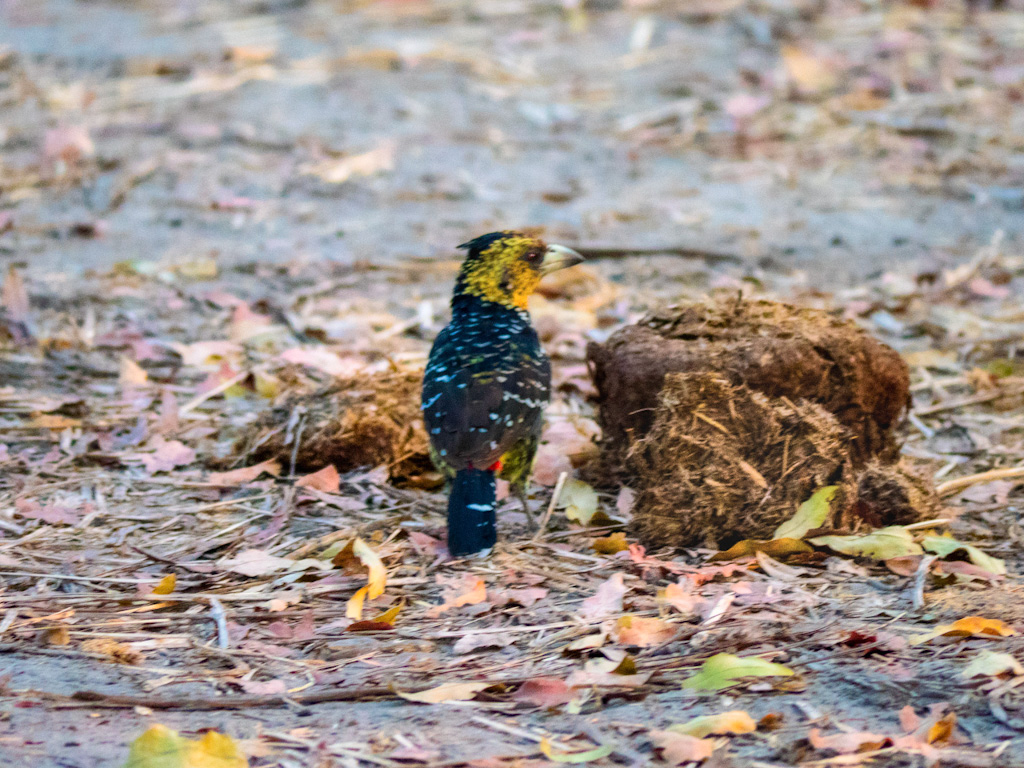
944,547
575,757
992,664
733,721
883,544
160,747
724,670
812,514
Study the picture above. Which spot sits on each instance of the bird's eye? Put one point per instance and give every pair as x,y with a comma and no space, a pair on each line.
533,256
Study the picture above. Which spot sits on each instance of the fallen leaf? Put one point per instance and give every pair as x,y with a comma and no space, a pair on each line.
682,597
203,353
446,692
326,480
883,544
324,360
477,641
733,721
944,546
579,501
255,562
359,551
607,601
993,664
609,545
811,514
524,596
544,692
131,373
160,747
168,455
166,585
679,748
849,743
642,631
340,170
244,475
459,591
586,756
807,73
51,514
906,565
264,687
970,626
115,651
777,548
724,670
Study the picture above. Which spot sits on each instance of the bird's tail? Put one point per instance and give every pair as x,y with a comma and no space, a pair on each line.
471,512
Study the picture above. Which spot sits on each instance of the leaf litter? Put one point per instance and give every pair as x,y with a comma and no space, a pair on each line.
171,507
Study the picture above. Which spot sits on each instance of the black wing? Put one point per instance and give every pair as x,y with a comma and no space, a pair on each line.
483,392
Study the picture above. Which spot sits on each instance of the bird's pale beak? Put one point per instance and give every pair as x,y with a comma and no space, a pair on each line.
559,257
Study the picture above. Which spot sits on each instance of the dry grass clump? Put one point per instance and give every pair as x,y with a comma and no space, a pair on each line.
362,421
723,463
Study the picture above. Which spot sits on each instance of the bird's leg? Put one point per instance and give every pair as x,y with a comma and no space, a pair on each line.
519,491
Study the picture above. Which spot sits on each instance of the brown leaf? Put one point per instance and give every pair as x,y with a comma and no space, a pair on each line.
777,548
168,455
849,743
544,692
326,480
678,748
466,589
244,475
609,545
642,631
446,692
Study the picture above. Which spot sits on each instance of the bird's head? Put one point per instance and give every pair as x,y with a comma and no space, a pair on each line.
505,267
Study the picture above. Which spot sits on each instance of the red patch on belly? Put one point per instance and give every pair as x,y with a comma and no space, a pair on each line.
495,467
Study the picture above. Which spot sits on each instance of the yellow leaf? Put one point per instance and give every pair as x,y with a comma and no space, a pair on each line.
805,71
389,616
734,721
883,544
992,664
776,548
446,692
359,550
944,546
575,757
166,585
724,670
642,631
160,747
970,626
579,501
811,514
609,545
354,607
132,373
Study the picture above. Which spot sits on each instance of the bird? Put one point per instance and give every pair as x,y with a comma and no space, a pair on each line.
487,382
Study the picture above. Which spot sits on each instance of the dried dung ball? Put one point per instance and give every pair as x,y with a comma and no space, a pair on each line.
880,495
721,463
362,421
779,350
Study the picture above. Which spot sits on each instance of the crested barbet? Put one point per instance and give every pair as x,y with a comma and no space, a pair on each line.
488,380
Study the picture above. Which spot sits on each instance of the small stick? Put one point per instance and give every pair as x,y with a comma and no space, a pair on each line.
950,487
198,400
920,578
551,506
985,397
221,619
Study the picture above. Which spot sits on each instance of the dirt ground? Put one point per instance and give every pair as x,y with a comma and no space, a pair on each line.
205,205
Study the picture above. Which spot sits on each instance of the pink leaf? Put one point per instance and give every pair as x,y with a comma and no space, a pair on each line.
544,692
606,602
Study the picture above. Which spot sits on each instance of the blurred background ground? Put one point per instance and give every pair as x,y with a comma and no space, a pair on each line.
283,175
